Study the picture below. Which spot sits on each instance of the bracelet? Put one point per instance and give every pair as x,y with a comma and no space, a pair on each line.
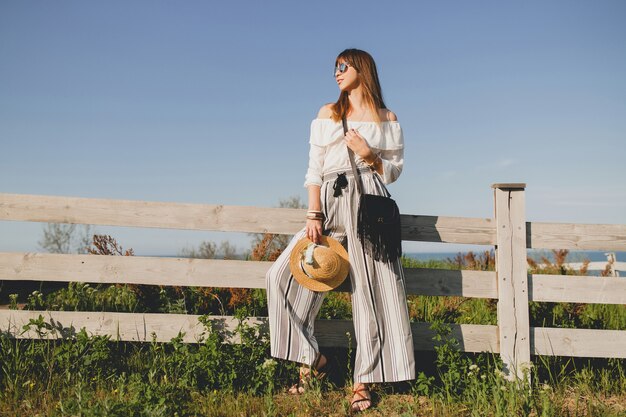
374,161
315,215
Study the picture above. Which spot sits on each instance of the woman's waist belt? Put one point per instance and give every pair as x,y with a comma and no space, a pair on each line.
332,175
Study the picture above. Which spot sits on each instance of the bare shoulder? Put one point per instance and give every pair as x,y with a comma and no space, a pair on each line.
326,111
387,115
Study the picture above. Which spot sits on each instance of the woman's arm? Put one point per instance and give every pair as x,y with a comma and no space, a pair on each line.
314,227
313,181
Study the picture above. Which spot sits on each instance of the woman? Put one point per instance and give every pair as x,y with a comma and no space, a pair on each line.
382,331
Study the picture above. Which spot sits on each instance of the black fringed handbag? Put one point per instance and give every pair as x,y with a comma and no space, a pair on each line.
378,219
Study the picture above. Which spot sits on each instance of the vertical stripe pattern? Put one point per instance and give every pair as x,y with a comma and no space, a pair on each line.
384,351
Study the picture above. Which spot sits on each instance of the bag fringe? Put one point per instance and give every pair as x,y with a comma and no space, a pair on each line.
383,242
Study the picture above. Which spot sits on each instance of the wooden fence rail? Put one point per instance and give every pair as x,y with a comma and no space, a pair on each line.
509,232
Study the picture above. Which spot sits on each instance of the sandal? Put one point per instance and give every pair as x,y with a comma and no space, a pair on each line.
360,392
308,374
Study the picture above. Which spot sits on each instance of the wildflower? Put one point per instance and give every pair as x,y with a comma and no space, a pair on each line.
474,367
546,387
470,373
502,388
526,366
499,373
269,363
483,377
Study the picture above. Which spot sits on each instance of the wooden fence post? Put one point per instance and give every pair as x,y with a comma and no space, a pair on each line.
512,279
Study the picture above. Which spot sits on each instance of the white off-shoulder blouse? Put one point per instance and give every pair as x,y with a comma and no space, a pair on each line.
329,153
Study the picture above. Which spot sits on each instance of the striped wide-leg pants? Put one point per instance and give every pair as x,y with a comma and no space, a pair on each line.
384,350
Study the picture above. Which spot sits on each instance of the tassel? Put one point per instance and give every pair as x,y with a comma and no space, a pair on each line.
340,183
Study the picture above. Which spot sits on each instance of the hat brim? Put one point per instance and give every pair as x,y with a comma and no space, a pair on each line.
303,279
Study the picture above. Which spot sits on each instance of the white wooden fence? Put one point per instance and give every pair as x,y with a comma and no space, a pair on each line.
508,232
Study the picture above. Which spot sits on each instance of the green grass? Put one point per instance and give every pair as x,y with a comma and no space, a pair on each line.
94,376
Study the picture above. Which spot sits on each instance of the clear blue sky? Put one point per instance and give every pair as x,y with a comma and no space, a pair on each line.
211,102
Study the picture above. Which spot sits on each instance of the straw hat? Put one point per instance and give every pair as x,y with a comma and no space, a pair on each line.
319,267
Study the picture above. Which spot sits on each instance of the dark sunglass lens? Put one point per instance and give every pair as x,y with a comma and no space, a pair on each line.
341,68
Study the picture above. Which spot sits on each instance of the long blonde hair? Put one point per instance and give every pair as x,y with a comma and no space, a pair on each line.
365,67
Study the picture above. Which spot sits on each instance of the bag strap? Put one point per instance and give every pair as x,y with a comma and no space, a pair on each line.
355,172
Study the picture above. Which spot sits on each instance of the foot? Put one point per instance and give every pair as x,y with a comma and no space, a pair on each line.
307,374
361,398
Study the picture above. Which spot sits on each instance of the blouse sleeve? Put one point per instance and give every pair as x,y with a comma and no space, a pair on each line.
314,173
316,156
391,152
392,161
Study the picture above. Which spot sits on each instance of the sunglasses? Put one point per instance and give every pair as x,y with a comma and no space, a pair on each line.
343,67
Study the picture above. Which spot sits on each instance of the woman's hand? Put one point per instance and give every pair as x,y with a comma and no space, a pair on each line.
314,230
359,145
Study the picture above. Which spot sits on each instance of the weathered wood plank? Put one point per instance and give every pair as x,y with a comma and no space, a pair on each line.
134,327
577,289
250,274
510,185
473,284
210,273
477,231
139,327
511,275
471,337
586,343
330,333
133,213
609,237
185,216
133,270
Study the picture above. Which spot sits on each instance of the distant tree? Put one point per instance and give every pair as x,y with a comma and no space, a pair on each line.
206,250
209,250
227,251
294,202
66,238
